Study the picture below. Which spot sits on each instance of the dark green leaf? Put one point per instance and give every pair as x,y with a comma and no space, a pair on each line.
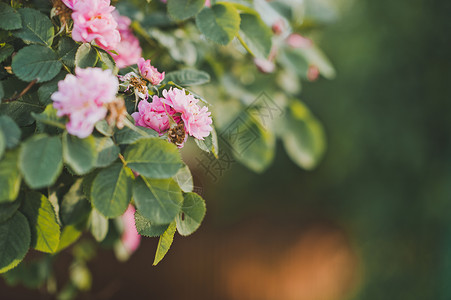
47,89
188,77
158,200
40,160
19,110
128,136
5,51
14,241
146,228
165,243
80,154
36,27
153,158
67,48
48,121
255,35
74,208
219,23
9,176
10,131
36,62
193,212
86,56
112,190
7,210
184,9
45,230
107,150
9,17
106,61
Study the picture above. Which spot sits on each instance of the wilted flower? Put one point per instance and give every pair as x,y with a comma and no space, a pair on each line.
128,50
93,21
82,97
132,80
149,72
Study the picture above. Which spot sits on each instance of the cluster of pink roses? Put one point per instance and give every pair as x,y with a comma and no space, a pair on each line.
176,107
83,98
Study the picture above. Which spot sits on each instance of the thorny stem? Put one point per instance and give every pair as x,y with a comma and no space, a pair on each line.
24,91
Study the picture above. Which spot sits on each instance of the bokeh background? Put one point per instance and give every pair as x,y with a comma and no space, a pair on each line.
373,221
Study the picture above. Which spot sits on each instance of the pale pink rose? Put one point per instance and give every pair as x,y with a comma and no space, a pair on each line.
264,65
149,72
93,21
130,237
298,41
69,3
128,50
197,120
208,3
81,97
153,115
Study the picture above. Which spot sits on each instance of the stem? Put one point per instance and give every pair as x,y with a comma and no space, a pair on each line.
24,91
122,159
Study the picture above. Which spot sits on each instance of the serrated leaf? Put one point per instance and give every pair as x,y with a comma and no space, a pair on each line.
219,23
9,176
7,210
106,61
45,230
80,154
188,77
303,137
184,179
107,152
86,56
128,136
153,158
36,62
36,27
184,9
19,110
193,212
255,35
9,17
164,243
67,48
10,131
5,52
14,241
146,228
111,190
69,235
158,200
46,90
48,121
74,208
98,225
41,160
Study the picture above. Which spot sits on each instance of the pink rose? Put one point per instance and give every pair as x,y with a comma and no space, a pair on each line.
153,115
81,97
149,72
69,3
93,21
130,237
298,41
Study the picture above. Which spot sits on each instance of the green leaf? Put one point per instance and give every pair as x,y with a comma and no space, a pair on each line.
219,23
45,230
19,110
106,61
153,158
158,200
209,143
303,136
36,62
112,190
9,177
317,58
48,121
9,17
103,127
10,131
193,212
184,9
255,35
86,56
7,210
188,77
69,235
14,241
165,243
5,51
251,144
184,179
2,92
2,144
146,228
107,152
46,90
128,136
294,60
67,48
40,160
75,208
98,225
79,154
36,27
